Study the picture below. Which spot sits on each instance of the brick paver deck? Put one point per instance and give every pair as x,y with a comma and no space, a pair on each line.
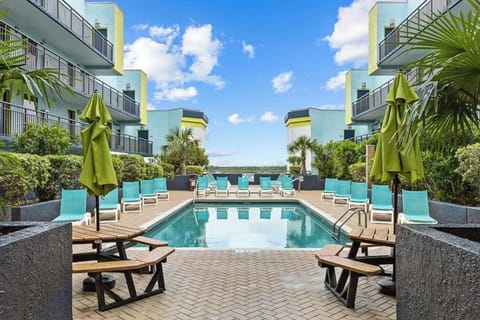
238,284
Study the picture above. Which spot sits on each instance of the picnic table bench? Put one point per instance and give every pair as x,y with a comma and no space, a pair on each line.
155,257
345,288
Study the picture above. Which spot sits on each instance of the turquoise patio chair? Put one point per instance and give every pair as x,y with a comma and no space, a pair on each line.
415,207
286,186
161,188
222,187
265,186
131,196
108,204
329,189
381,204
147,191
358,195
342,191
73,207
202,186
243,187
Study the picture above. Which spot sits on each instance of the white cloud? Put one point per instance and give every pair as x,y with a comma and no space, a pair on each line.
336,82
249,49
174,94
220,153
283,82
236,119
350,35
269,117
174,60
140,27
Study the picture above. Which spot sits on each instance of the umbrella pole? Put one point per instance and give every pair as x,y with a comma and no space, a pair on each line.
97,212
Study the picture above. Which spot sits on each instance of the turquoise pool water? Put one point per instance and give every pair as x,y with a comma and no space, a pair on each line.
245,225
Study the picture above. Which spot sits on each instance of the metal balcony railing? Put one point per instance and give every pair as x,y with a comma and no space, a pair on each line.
14,120
72,20
376,98
410,26
78,79
359,139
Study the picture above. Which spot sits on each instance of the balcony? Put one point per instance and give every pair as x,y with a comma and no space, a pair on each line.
371,107
391,53
121,107
14,120
58,24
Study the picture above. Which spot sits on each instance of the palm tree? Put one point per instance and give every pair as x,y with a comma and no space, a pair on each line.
179,142
302,145
450,87
15,80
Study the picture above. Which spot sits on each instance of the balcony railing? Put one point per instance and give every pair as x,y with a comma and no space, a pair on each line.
14,120
410,26
67,16
376,98
363,137
78,79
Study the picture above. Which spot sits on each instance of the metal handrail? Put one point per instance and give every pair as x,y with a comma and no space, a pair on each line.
68,17
347,215
14,120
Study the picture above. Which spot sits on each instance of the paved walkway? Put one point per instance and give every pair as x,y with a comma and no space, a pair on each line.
238,284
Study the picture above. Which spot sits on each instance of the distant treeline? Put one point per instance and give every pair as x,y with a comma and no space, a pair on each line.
248,169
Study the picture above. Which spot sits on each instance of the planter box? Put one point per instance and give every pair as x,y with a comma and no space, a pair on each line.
438,271
35,270
40,211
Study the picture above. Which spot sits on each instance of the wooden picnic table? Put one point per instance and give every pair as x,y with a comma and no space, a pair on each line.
117,233
380,237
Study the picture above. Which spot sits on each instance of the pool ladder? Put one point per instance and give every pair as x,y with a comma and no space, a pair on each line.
347,215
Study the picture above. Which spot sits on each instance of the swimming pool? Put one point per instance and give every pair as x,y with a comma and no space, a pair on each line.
245,225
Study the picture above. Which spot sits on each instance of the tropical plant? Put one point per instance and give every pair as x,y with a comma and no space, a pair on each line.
43,83
43,140
179,143
324,160
449,89
301,145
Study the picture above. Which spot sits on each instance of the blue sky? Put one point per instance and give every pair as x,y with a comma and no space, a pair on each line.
246,64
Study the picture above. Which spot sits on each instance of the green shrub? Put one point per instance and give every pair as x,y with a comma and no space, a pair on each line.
118,167
294,169
358,171
198,170
345,153
168,170
37,169
133,167
43,140
14,180
64,173
469,167
153,170
324,161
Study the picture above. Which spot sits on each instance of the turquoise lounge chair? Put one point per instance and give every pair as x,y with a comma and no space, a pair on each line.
222,187
358,195
381,203
286,186
108,204
329,189
131,196
161,188
202,186
243,187
415,207
266,186
73,207
148,192
342,191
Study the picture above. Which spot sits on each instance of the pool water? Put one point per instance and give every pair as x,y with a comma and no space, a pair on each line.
245,225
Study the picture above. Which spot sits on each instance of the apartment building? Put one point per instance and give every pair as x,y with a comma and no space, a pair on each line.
84,41
323,125
366,89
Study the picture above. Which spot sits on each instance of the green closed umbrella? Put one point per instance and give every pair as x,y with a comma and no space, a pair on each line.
97,175
392,158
